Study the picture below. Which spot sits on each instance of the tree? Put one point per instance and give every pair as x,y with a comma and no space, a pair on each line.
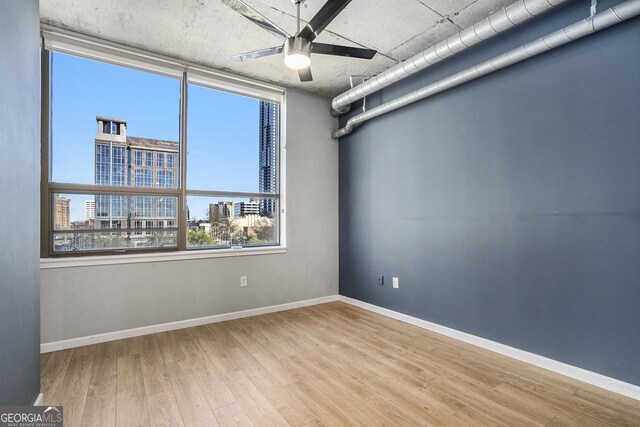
199,238
263,229
224,231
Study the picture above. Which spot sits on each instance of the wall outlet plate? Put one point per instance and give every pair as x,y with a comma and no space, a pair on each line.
243,281
380,280
396,283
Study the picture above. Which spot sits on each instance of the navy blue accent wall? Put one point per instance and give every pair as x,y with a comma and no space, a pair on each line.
509,207
20,202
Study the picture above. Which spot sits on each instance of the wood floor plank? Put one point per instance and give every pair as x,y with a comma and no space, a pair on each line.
209,379
561,422
232,416
276,341
557,407
44,358
622,404
389,379
193,405
52,376
477,417
324,409
128,347
500,399
218,355
398,413
338,392
154,371
131,404
587,391
579,404
325,365
400,332
76,384
163,410
414,367
277,335
473,366
100,405
282,375
258,408
174,359
220,335
256,405
389,385
287,404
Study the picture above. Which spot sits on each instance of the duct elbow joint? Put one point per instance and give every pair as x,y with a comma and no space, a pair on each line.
346,130
337,112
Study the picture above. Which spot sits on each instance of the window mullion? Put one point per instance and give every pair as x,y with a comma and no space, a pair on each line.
214,193
182,200
45,155
109,190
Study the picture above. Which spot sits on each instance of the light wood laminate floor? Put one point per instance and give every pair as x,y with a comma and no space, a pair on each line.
331,364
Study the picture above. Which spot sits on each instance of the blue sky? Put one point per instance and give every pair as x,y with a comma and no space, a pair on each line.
222,128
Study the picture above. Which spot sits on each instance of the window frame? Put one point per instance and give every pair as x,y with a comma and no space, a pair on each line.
62,41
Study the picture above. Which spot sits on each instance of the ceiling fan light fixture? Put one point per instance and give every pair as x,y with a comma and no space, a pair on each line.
297,61
297,53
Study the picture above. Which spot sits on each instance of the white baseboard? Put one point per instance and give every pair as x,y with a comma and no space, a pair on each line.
598,380
39,400
152,329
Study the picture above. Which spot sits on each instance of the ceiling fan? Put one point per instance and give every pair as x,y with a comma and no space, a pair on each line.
298,49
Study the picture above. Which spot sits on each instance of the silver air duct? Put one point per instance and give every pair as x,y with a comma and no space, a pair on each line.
495,24
600,21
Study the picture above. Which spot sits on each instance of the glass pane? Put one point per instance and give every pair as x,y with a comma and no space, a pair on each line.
108,121
215,222
113,240
83,222
232,142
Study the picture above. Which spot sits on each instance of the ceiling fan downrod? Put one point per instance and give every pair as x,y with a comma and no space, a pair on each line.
298,2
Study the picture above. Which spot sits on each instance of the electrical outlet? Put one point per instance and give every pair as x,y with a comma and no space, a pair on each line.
243,281
380,280
396,283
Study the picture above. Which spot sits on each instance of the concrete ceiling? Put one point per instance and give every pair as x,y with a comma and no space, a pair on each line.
208,32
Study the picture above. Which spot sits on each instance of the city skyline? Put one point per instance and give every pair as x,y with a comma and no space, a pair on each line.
150,103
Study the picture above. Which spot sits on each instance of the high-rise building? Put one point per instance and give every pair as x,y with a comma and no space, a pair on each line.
89,210
222,210
267,153
62,215
128,161
251,207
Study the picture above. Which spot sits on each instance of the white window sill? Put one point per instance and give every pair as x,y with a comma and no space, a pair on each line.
88,261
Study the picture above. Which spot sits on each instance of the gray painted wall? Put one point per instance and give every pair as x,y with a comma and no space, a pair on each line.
84,301
19,210
509,207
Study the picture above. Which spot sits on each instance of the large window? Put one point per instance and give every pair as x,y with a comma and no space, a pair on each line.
114,177
227,159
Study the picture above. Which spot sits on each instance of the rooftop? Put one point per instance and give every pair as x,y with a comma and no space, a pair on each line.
151,143
110,119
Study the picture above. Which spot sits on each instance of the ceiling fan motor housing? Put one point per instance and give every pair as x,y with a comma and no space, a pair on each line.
297,53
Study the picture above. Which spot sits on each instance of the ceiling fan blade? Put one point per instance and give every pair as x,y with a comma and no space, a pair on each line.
305,74
257,18
257,54
337,50
325,15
